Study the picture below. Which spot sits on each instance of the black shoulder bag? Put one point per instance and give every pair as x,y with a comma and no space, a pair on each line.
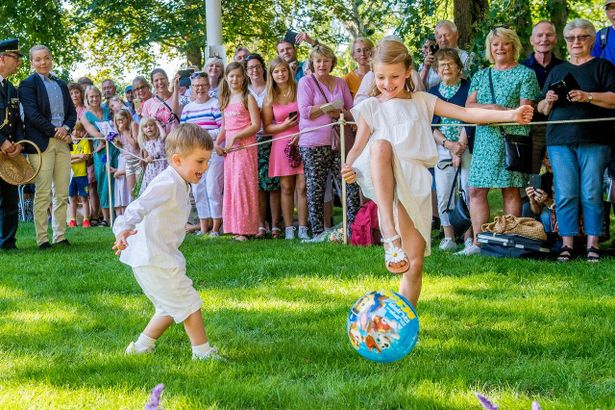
518,147
459,216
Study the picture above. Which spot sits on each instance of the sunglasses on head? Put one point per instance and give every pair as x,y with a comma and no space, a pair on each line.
494,28
198,74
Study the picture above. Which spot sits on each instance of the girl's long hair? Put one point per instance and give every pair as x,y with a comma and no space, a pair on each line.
225,89
391,52
273,90
142,138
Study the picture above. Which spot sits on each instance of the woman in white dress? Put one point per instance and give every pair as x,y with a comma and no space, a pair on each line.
393,149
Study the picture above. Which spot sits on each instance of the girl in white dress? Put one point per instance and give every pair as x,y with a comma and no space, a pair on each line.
394,147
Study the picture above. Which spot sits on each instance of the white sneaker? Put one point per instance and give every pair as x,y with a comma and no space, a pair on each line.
303,233
467,243
448,244
289,233
133,349
470,250
212,354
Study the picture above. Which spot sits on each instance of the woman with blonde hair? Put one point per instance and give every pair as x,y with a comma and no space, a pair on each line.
513,85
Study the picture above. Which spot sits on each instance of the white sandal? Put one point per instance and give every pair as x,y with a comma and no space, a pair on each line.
395,255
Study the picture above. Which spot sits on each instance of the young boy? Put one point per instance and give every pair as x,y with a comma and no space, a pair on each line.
79,182
148,236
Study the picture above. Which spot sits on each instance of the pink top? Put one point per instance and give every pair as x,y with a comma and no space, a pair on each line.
237,118
308,96
154,108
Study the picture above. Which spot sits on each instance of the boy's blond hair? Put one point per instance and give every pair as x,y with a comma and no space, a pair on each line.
185,138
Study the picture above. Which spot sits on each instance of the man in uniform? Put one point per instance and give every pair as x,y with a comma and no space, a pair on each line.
11,130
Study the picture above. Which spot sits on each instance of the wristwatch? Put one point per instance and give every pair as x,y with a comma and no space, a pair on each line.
590,98
67,128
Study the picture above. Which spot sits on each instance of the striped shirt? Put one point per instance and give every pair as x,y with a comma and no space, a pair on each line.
206,115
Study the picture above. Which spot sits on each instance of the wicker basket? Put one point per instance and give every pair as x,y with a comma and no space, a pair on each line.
512,225
17,170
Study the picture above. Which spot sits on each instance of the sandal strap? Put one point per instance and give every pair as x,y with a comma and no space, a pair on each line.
593,250
390,239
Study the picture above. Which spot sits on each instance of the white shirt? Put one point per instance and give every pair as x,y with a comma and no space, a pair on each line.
159,216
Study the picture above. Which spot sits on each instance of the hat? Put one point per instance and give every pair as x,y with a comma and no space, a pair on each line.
10,45
607,2
128,89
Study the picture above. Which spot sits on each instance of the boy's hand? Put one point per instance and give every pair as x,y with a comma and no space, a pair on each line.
121,241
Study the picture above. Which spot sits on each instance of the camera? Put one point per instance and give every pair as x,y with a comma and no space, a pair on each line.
433,49
185,73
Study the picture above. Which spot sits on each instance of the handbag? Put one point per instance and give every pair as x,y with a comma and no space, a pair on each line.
459,217
518,148
335,129
292,154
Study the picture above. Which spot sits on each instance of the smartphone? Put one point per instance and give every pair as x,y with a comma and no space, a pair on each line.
186,73
290,36
433,49
137,103
535,181
294,114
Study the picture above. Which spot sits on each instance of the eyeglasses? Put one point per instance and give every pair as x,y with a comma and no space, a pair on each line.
198,74
254,67
365,50
580,38
139,88
447,65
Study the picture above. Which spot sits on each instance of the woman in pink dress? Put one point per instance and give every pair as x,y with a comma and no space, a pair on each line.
281,118
164,107
240,122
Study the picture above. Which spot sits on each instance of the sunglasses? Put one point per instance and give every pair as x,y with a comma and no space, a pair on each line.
494,28
198,74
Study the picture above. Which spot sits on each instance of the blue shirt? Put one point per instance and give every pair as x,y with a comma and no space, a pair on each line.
299,73
608,52
56,100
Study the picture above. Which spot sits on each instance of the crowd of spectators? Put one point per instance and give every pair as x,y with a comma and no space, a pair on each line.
252,190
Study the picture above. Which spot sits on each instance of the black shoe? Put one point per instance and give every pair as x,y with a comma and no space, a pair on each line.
44,245
103,223
63,242
8,248
435,224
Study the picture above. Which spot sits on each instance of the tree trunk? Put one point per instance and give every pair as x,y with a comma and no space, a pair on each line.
194,55
523,25
467,13
559,16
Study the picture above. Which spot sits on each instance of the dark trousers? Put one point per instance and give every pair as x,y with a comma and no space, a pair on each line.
317,163
9,203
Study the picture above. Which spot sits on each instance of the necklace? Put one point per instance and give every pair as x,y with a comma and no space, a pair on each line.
286,93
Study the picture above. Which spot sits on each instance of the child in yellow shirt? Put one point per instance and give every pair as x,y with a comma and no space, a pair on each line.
79,182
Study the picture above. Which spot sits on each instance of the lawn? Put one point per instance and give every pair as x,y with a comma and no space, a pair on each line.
514,330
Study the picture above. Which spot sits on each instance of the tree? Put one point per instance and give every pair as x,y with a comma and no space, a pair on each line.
41,22
468,14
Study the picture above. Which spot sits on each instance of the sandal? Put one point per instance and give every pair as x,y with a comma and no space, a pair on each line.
395,255
261,232
276,232
593,258
565,254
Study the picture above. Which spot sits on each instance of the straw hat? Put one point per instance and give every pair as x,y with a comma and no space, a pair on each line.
17,170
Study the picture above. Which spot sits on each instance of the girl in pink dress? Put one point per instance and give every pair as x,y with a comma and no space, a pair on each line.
281,118
240,122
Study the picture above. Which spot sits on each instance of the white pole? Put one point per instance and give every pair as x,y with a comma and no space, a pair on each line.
342,146
213,15
109,193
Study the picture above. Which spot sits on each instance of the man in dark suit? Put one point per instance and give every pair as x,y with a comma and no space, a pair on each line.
11,130
50,116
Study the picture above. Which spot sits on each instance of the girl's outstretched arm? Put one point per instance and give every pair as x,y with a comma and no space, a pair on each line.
521,115
361,139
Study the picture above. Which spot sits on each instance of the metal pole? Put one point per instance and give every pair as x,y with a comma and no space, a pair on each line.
109,193
342,123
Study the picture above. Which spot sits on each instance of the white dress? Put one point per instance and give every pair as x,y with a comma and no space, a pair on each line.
406,124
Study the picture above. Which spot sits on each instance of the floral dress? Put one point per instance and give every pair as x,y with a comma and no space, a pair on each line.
154,149
488,158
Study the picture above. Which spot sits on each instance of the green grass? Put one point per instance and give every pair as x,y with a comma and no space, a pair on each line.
515,330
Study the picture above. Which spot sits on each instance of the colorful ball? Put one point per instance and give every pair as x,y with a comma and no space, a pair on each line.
383,326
